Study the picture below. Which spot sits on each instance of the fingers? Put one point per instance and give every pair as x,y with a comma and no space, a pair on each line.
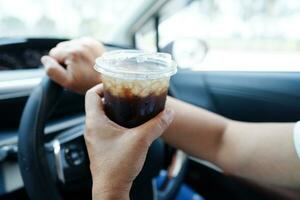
154,128
63,53
95,46
93,103
71,50
55,71
84,47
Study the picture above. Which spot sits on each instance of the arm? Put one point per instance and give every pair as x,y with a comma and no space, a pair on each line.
263,152
258,151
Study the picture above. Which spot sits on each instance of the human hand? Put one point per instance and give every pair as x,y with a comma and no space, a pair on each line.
79,57
117,154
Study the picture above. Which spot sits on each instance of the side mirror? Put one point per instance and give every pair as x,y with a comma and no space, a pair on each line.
187,52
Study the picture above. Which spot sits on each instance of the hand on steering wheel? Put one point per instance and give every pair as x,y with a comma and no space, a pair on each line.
79,58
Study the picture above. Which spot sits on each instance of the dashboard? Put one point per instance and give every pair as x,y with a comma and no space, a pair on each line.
21,70
24,53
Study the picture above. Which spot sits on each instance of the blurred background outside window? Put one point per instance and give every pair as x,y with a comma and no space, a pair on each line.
245,35
242,35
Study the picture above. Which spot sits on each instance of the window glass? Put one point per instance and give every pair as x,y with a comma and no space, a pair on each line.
145,38
56,18
246,35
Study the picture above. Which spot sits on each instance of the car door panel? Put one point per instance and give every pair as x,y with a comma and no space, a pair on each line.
191,87
246,96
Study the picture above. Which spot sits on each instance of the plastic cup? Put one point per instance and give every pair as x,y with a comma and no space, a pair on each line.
135,84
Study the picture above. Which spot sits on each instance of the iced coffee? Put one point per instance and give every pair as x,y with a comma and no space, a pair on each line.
135,84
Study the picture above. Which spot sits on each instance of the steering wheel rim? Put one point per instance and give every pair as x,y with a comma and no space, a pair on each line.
36,173
33,166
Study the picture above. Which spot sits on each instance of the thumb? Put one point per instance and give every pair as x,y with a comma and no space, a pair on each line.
155,127
93,103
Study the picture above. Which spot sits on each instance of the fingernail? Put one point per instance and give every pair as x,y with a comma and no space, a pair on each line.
45,59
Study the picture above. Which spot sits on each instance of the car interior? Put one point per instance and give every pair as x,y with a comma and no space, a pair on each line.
42,149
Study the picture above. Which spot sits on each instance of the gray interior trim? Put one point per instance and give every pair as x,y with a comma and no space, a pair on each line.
10,169
58,160
12,176
141,13
180,158
51,128
206,163
19,83
150,12
64,124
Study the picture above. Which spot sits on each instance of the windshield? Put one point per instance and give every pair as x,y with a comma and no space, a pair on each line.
65,19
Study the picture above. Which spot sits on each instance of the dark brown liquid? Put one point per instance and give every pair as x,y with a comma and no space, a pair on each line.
131,111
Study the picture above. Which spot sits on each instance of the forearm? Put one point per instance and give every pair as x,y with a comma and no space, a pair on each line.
108,189
110,195
196,131
262,152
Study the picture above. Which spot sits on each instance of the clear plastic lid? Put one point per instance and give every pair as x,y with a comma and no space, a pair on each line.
135,64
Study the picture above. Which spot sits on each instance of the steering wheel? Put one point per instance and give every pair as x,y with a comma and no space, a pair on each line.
50,168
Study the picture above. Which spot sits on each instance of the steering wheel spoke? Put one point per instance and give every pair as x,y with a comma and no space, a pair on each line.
70,158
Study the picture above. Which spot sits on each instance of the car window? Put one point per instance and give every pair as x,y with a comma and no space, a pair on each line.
242,35
55,18
145,38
